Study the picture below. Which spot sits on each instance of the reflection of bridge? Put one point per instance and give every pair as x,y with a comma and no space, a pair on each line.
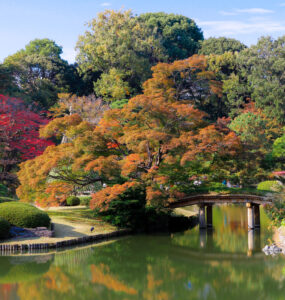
207,201
207,251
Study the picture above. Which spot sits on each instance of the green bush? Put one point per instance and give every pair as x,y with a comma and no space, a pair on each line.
270,185
4,229
85,200
127,210
23,215
72,201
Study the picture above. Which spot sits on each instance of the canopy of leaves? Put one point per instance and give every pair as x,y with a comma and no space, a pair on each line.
19,135
156,140
39,73
259,76
220,46
111,86
257,133
116,40
179,35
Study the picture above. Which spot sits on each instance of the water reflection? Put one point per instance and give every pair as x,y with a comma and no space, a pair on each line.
188,265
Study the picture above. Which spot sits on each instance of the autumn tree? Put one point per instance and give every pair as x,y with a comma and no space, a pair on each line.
157,141
19,136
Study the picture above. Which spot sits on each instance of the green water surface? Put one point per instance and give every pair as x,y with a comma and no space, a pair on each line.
225,263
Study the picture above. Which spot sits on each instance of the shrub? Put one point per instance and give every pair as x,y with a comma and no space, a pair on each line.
127,210
276,211
270,185
72,201
85,200
23,215
4,229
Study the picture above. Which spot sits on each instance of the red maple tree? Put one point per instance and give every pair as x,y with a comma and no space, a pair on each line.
19,135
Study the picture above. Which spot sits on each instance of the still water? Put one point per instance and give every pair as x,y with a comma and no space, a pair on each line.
226,263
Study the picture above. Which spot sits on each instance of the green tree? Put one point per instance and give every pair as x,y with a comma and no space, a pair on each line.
257,133
117,41
40,73
6,81
259,76
266,65
278,150
111,86
179,35
220,46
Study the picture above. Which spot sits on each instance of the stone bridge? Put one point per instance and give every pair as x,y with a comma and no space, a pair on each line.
206,202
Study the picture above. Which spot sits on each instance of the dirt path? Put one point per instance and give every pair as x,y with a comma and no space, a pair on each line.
66,230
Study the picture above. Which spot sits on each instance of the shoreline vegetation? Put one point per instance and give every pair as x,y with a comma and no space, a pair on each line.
72,226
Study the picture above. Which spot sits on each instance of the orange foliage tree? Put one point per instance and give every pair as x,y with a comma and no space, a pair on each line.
159,140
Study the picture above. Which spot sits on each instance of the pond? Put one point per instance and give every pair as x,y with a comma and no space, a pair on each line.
225,263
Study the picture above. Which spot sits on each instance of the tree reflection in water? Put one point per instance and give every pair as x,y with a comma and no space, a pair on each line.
161,267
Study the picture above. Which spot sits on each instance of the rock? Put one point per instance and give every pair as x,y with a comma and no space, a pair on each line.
272,250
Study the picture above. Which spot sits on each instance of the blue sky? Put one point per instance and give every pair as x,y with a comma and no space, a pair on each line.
64,20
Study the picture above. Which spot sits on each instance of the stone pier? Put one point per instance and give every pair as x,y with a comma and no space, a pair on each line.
202,218
250,215
210,215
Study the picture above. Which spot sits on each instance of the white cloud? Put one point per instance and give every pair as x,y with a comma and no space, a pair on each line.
282,4
105,4
213,28
247,11
255,11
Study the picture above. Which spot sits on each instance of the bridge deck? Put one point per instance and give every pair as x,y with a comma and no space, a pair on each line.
214,199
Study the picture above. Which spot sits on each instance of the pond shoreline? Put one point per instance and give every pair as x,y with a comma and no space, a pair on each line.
31,247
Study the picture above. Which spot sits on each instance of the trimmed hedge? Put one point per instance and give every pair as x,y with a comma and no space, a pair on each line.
4,229
270,185
72,201
23,215
85,200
